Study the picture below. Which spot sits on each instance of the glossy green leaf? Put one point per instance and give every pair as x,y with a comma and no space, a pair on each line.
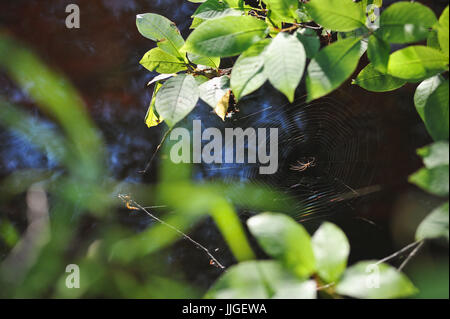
310,41
160,29
176,99
378,52
227,36
284,239
373,80
368,280
416,63
215,93
434,180
435,225
213,62
336,15
435,155
331,250
443,31
406,22
261,280
432,105
248,72
285,9
423,92
331,67
162,62
284,63
213,9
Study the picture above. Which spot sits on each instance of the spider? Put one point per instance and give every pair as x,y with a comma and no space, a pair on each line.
303,166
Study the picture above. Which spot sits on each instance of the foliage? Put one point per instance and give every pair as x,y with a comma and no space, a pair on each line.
305,265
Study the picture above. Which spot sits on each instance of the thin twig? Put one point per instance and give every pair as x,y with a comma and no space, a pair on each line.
147,167
130,203
398,253
411,255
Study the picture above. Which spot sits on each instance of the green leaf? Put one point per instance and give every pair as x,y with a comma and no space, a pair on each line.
406,22
152,118
435,225
310,41
215,93
443,31
196,22
360,33
213,9
176,99
284,239
337,15
434,180
378,52
373,80
331,250
435,112
160,29
435,155
261,280
416,63
369,280
248,72
331,67
423,92
162,62
284,9
227,36
433,41
284,63
206,61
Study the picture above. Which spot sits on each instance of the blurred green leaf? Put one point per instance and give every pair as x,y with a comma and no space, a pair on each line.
331,249
310,41
284,239
378,52
435,225
370,280
284,9
443,31
261,280
434,155
434,180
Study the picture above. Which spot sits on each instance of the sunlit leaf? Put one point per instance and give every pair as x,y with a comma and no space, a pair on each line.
284,239
373,80
160,29
176,98
433,180
368,280
416,63
443,31
213,62
331,67
284,63
331,250
284,9
248,72
261,280
337,15
406,22
162,62
310,41
227,36
216,93
378,52
434,155
213,9
152,118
